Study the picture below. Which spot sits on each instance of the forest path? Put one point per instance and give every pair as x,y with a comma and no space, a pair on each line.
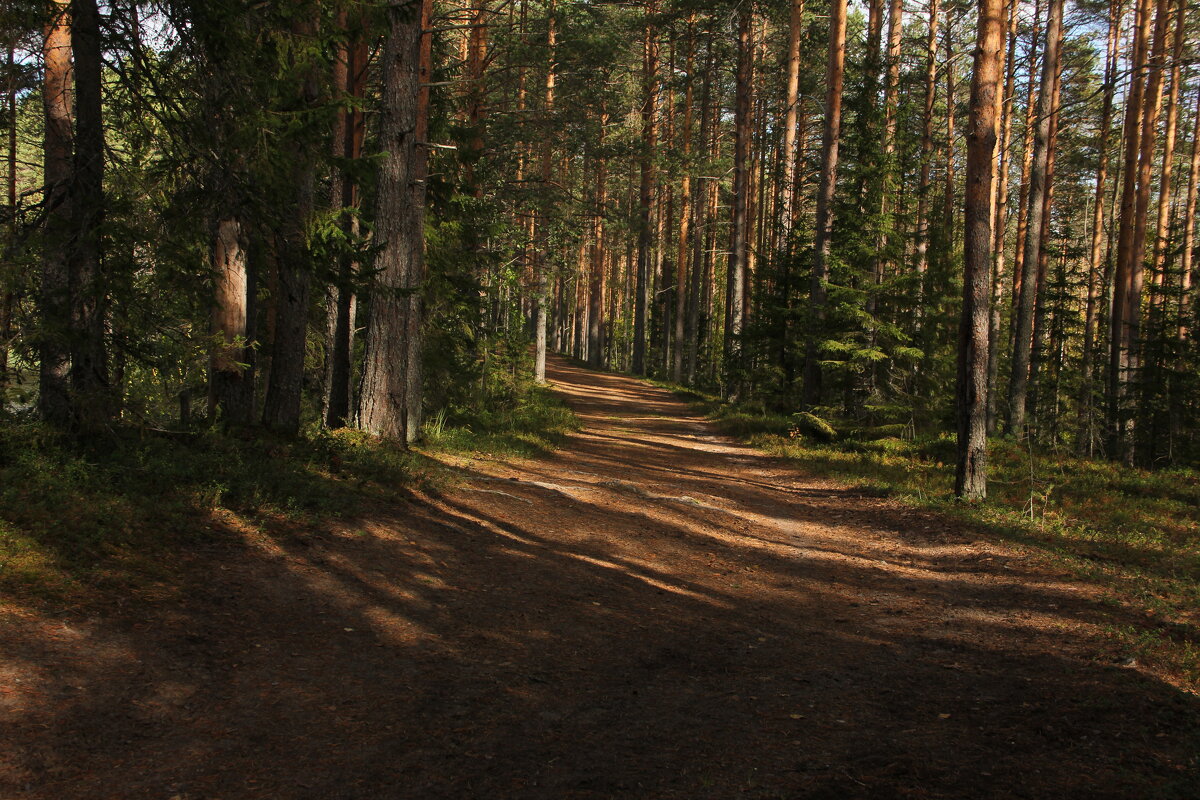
654,611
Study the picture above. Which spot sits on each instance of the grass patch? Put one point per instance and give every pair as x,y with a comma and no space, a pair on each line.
1133,531
76,520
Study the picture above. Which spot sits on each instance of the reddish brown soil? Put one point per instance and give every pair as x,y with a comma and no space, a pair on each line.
653,612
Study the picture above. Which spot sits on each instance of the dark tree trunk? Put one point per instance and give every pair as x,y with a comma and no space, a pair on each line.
391,388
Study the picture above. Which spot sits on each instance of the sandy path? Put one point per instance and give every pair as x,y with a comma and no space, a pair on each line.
652,612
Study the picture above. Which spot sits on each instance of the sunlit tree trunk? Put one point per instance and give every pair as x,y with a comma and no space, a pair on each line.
1023,323
971,474
641,307
1096,250
927,140
1189,228
824,223
735,285
1165,185
231,373
683,273
541,243
1123,330
1000,213
596,283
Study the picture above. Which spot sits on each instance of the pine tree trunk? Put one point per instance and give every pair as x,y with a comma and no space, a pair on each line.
282,405
787,202
349,79
541,241
1165,185
927,142
1096,251
971,474
1189,229
1131,314
54,399
735,284
1023,324
1000,216
1122,330
391,387
824,223
595,347
645,195
683,273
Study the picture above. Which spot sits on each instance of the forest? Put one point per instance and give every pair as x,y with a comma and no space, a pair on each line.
208,221
280,275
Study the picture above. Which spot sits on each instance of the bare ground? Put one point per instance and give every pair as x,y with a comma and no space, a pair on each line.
655,611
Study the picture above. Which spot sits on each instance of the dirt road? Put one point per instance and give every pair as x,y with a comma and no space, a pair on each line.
654,611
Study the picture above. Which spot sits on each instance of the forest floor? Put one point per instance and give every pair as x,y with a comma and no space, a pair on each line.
652,611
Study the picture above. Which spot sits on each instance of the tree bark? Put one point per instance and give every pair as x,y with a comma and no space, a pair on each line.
971,473
54,398
389,401
1023,324
1189,229
685,214
825,193
349,80
231,373
927,141
645,193
1000,191
1096,250
282,405
735,283
541,313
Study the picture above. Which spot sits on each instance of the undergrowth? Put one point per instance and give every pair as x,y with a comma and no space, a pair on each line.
75,519
1134,531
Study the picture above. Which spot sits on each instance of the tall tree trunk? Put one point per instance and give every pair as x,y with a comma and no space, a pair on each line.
1031,101
1023,324
824,224
1096,250
1041,302
391,387
735,284
54,398
1000,191
697,309
1134,252
891,93
927,141
282,405
685,213
92,401
1165,186
646,192
542,243
595,346
971,474
1122,331
1189,228
349,80
792,105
